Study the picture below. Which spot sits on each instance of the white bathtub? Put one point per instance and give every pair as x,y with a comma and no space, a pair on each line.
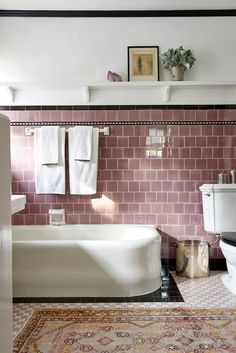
85,260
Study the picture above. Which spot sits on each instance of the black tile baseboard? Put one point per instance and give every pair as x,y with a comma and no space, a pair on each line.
214,264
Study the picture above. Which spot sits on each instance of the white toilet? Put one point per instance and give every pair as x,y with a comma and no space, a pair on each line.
219,213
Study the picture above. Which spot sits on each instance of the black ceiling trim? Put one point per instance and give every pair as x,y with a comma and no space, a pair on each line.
118,13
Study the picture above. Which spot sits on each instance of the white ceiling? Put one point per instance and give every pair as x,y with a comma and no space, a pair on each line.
114,4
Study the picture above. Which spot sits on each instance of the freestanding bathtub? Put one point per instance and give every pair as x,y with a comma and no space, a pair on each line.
85,260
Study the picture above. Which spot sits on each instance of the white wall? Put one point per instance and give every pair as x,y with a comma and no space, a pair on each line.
115,4
82,50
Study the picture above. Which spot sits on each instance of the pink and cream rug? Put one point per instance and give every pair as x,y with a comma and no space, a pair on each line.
163,330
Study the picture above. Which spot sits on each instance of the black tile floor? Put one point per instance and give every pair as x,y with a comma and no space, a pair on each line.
168,292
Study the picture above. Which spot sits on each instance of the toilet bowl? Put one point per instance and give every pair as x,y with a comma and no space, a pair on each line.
229,252
219,202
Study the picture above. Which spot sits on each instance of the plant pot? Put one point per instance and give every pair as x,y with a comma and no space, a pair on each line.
177,73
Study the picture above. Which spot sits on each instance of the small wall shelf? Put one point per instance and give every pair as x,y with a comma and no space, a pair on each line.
119,93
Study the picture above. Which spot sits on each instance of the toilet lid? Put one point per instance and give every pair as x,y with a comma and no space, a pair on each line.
229,238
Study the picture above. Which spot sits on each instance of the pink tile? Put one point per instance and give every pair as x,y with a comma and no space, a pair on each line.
167,185
128,175
156,208
173,197
139,219
217,130
123,164
132,142
151,197
123,208
112,186
128,219
139,197
212,163
134,208
200,164
145,208
139,175
190,115
156,115
72,219
178,208
145,186
167,163
189,208
29,219
117,175
133,164
184,219
129,197
129,131
145,115
145,164
195,153
134,186
122,141
139,152
189,163
41,219
156,185
211,115
184,197
123,115
84,219
201,115
111,164
151,175
190,141
34,208
172,219
128,152
167,114
106,153
207,130
167,208
178,186
78,208
95,219
18,219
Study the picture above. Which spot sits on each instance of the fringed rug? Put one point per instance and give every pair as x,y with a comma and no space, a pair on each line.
132,331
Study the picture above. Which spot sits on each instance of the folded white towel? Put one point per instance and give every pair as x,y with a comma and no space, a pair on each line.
50,178
83,174
49,144
83,140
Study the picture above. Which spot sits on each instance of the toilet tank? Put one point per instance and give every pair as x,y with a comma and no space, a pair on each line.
219,207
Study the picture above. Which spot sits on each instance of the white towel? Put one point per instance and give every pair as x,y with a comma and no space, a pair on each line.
50,179
49,144
83,140
83,174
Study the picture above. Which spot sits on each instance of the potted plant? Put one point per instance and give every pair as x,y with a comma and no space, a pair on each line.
177,61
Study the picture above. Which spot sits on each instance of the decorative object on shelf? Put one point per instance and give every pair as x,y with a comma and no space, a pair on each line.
113,77
143,63
177,61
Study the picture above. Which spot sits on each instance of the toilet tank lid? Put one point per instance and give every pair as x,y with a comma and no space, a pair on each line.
218,187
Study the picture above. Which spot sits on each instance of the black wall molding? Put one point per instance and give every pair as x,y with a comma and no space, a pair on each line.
119,13
122,123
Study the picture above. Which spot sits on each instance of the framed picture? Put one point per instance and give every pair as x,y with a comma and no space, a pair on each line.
143,63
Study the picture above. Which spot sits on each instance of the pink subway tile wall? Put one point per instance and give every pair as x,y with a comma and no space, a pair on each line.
132,189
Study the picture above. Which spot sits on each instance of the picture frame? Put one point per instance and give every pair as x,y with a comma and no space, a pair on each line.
143,63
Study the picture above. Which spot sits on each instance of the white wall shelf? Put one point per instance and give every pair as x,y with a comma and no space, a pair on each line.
119,93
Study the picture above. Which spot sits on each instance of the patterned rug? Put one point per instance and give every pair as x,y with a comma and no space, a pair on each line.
133,331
